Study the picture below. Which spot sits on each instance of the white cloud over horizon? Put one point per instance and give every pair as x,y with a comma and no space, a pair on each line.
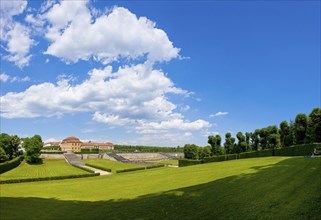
218,114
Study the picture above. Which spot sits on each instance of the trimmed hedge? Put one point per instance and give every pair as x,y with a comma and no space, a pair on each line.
186,162
232,157
9,165
83,168
130,170
297,150
155,166
48,178
89,151
98,167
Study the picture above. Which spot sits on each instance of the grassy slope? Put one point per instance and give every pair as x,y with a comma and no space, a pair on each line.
264,188
172,162
113,165
49,167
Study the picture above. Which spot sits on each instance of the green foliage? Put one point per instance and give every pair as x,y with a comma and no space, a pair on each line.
204,152
89,151
57,147
286,134
99,167
48,178
10,146
215,142
229,143
187,162
83,168
155,166
9,165
130,169
33,148
51,152
300,128
297,150
313,133
191,151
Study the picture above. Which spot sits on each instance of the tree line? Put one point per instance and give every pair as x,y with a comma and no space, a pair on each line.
12,146
304,129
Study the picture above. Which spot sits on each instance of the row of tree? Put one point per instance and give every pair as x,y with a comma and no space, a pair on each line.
11,146
304,129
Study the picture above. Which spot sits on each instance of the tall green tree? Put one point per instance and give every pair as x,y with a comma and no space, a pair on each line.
255,139
33,147
204,152
10,144
286,135
247,139
300,128
191,151
273,138
241,146
215,142
313,133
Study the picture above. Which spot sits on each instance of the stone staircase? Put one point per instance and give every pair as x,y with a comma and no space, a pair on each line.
118,157
73,159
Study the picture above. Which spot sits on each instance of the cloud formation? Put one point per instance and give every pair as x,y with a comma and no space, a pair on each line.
107,38
218,114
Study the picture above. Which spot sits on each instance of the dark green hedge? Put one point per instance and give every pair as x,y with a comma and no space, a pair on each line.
9,165
48,178
89,151
155,166
130,170
83,168
186,162
98,167
297,150
231,156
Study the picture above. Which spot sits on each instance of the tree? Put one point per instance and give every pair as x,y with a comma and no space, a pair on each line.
229,143
10,144
3,156
191,151
241,146
313,133
300,128
273,137
286,136
215,142
255,139
247,139
33,147
204,152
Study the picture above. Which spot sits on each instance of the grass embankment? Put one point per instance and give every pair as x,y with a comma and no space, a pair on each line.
113,165
170,162
49,168
257,188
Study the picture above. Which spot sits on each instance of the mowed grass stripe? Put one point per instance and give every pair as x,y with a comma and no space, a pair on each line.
49,168
257,188
113,165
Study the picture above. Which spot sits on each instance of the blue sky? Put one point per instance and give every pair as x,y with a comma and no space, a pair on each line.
162,73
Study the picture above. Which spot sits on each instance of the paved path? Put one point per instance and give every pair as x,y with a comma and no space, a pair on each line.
102,172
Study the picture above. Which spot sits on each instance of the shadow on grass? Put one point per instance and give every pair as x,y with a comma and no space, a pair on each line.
289,189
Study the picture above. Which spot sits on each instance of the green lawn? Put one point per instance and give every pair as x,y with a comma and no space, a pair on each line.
49,168
113,165
256,188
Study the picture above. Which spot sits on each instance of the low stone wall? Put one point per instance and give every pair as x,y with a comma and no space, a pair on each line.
55,156
143,156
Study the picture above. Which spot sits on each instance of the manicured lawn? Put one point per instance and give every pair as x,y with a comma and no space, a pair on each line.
257,188
113,165
49,168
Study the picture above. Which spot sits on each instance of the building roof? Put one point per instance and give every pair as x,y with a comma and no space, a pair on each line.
71,139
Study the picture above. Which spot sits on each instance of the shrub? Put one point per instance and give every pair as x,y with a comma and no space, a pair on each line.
130,170
155,166
83,168
186,162
99,167
231,156
52,152
9,165
297,150
88,151
48,178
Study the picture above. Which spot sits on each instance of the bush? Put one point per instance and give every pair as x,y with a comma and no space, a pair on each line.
9,165
130,170
297,150
48,178
265,153
88,151
51,152
99,167
83,168
186,162
231,156
155,166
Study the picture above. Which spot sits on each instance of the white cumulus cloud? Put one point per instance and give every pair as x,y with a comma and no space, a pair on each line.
218,114
75,34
